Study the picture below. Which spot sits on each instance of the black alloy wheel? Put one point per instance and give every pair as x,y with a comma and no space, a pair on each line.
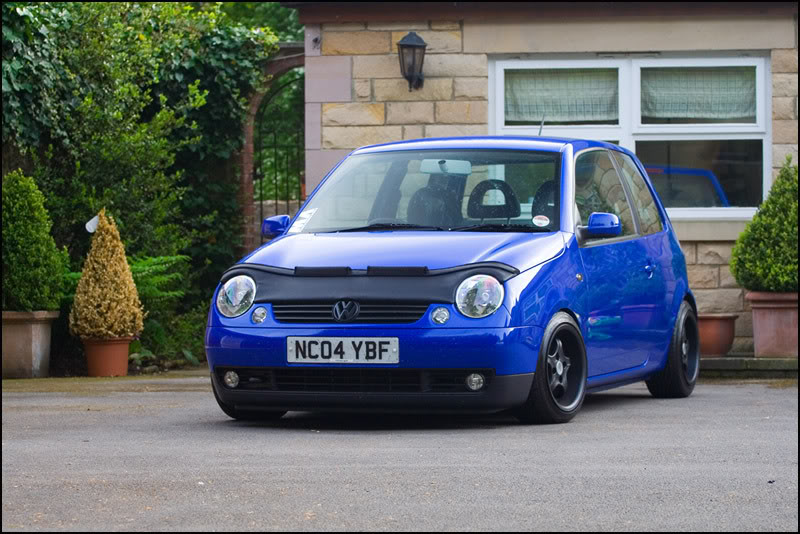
679,375
559,384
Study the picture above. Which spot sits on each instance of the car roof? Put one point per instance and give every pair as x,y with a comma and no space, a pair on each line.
549,144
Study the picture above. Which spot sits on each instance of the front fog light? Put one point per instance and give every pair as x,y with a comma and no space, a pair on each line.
475,381
259,314
440,315
231,379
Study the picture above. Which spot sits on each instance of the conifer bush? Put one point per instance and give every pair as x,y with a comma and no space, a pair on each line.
33,267
106,302
765,255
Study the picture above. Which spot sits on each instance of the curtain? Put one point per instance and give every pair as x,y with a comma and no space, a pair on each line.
699,94
562,96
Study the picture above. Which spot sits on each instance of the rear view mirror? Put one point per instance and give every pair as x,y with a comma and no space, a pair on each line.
446,166
273,226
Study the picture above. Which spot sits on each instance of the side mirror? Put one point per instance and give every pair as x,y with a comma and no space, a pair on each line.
273,226
602,225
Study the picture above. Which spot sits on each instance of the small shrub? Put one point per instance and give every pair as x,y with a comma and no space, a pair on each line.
32,264
106,302
765,255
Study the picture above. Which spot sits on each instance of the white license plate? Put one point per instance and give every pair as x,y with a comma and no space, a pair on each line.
342,350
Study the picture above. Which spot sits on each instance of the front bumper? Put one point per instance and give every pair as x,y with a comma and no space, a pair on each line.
507,356
500,393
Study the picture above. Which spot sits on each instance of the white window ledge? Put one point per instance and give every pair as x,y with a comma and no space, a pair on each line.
711,214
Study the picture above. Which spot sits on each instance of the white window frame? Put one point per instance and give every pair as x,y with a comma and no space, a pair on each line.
630,129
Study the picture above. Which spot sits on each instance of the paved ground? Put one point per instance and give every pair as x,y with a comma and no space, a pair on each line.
159,455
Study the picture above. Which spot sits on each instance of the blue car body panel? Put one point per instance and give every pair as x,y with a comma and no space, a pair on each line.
625,305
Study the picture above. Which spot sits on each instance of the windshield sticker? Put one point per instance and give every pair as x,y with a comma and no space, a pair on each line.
301,221
541,220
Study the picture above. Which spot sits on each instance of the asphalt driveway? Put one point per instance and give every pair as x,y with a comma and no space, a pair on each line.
158,454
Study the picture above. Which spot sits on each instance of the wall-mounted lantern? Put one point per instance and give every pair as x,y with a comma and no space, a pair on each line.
411,50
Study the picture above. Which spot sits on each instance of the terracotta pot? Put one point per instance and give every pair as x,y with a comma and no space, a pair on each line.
26,343
716,333
774,324
107,357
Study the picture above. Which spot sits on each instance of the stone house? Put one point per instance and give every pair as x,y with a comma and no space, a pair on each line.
628,66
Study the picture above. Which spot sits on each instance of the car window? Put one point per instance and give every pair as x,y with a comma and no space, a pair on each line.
649,218
599,189
516,190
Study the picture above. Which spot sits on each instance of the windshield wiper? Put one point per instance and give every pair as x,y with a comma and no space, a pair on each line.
494,227
388,226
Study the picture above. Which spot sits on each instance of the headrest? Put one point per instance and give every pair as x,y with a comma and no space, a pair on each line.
476,209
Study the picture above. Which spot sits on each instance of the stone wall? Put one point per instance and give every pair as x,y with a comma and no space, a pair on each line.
715,289
355,94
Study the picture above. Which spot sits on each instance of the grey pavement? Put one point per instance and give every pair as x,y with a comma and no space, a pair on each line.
160,455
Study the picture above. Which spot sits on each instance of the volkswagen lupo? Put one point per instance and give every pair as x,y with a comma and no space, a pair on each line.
462,274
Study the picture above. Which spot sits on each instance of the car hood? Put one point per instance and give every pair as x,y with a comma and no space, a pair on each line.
434,250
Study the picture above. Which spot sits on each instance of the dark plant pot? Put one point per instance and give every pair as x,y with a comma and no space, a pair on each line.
107,357
774,324
26,343
716,333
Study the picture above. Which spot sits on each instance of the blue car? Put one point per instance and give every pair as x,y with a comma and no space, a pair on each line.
477,274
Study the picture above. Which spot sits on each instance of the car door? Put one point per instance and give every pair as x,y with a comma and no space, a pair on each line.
616,270
660,289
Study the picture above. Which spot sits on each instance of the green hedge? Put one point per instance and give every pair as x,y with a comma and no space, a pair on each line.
33,267
765,255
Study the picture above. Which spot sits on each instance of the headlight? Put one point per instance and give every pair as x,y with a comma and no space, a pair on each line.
236,296
479,296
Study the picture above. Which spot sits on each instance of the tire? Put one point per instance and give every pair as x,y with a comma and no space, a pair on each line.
240,415
558,391
678,377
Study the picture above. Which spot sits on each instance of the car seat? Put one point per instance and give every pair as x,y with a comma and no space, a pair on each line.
431,206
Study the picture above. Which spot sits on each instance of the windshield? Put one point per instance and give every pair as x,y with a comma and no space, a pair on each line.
438,190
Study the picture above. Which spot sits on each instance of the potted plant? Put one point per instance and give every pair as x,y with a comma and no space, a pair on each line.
32,275
106,313
764,261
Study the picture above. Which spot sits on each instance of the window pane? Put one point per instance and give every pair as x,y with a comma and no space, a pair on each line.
598,189
561,96
702,174
698,95
649,218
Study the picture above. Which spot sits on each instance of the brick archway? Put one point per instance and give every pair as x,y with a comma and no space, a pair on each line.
290,56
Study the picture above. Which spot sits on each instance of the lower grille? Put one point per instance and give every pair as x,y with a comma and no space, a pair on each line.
370,312
357,380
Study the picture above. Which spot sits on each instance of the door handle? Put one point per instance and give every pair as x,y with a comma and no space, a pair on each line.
649,268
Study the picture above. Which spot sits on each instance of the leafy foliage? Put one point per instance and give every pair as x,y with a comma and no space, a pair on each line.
32,265
281,20
765,255
136,107
106,302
